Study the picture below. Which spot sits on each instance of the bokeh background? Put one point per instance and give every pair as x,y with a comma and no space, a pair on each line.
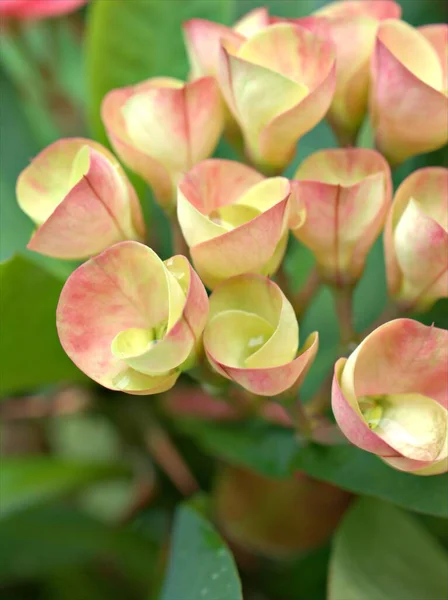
76,463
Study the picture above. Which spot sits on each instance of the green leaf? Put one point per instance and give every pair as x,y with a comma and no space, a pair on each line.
380,553
33,480
275,452
30,353
267,449
45,539
201,567
128,42
357,471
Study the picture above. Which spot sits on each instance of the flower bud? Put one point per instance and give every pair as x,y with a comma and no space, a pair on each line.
233,219
416,240
390,397
278,85
38,9
79,197
408,99
130,321
276,517
252,336
162,127
346,194
352,26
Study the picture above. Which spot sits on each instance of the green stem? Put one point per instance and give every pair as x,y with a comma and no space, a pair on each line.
300,300
343,303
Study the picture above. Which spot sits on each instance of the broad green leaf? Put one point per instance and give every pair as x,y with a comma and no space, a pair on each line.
255,445
32,480
45,539
201,567
30,353
275,452
357,471
128,42
381,553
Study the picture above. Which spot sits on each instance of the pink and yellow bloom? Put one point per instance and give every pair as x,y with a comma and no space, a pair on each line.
162,127
346,194
130,321
416,240
80,199
278,85
252,336
352,26
390,397
408,99
203,39
38,9
233,219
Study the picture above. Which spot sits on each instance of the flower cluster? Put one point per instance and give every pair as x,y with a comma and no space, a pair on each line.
134,323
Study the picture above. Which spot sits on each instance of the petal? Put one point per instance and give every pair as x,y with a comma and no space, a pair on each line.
300,67
430,187
85,205
123,288
354,39
216,182
253,22
349,417
195,312
203,41
153,172
274,380
248,90
413,51
38,9
421,249
346,194
402,357
413,424
246,249
399,97
377,9
167,127
437,36
271,335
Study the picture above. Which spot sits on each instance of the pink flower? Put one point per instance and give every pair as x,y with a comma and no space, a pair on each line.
130,321
390,397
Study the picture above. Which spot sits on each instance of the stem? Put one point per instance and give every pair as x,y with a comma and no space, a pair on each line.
298,415
343,303
169,459
301,300
321,401
391,311
179,244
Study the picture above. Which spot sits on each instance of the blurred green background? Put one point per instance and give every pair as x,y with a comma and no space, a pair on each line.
76,461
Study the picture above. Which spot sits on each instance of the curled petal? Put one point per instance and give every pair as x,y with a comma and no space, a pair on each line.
129,321
300,67
252,336
407,88
437,36
203,41
253,22
391,396
345,195
162,127
349,417
80,199
233,219
416,239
